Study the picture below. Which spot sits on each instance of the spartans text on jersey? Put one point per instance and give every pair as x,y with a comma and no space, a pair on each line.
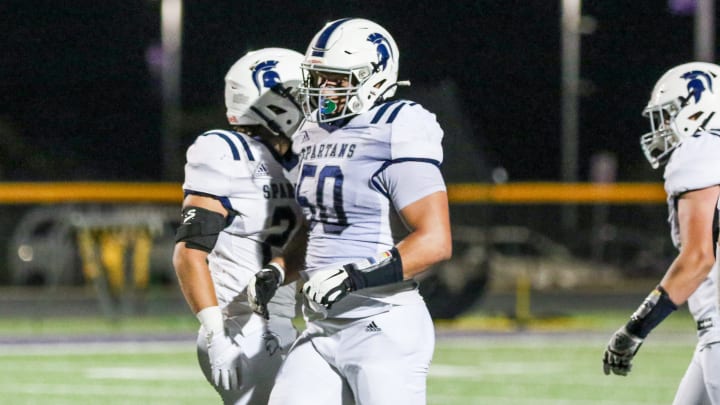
327,150
278,190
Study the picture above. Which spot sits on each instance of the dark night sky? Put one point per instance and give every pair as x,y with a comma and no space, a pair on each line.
78,99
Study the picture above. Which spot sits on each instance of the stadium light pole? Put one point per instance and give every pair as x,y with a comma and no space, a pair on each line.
171,17
570,18
705,30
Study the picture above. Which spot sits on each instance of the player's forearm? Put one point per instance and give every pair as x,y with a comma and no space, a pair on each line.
194,279
695,212
686,274
420,250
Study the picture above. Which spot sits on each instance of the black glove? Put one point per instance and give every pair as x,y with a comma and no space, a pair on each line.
262,287
621,349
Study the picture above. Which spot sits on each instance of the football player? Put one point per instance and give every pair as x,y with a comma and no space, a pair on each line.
377,210
684,114
238,212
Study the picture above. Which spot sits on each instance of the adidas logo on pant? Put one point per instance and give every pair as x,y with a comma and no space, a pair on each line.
372,327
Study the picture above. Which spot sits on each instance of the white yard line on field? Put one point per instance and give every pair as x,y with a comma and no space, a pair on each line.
100,390
449,371
497,399
65,348
143,373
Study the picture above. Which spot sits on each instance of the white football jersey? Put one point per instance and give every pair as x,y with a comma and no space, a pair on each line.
694,165
252,181
349,199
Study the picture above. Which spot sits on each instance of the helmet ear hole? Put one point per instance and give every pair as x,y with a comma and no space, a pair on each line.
695,116
276,109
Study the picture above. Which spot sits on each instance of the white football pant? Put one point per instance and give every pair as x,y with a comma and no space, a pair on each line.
701,383
265,352
379,360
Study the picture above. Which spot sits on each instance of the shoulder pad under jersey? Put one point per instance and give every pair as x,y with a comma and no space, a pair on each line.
694,164
415,132
215,160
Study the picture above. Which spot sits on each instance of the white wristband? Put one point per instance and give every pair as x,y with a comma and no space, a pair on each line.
212,320
279,268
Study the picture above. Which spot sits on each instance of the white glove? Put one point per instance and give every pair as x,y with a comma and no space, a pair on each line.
262,286
620,351
327,287
226,358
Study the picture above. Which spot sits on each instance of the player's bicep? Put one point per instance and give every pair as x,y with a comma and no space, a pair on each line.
696,216
428,214
430,240
409,181
206,202
418,192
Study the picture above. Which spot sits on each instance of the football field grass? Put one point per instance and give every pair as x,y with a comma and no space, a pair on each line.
472,365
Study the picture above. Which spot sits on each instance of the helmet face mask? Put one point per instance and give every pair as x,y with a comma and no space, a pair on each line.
328,90
684,101
658,144
261,88
350,65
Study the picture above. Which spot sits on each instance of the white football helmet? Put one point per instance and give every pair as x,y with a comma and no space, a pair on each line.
684,101
261,88
359,51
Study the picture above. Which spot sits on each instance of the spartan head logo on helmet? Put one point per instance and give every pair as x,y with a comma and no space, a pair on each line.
383,51
264,75
698,82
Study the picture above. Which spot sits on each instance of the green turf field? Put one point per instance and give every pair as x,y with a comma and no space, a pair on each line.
535,367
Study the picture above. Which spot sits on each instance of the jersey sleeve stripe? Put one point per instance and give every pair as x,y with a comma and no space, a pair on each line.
233,148
225,201
426,160
373,179
375,184
382,111
395,112
245,145
188,192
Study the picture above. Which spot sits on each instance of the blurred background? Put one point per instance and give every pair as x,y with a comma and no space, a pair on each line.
526,91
